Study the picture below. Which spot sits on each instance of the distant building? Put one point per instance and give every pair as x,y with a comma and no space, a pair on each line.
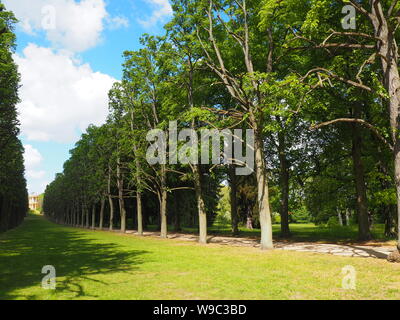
34,202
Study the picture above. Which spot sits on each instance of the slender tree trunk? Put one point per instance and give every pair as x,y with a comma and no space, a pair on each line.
340,217
163,204
233,200
122,214
122,210
138,193
284,180
390,222
111,221
94,217
77,215
83,216
139,213
103,202
163,214
87,217
361,190
263,192
347,217
201,208
110,200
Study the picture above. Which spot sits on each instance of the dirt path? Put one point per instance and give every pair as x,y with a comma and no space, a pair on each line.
361,251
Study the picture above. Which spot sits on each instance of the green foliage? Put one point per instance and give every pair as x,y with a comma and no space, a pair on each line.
223,216
333,222
274,66
301,215
13,192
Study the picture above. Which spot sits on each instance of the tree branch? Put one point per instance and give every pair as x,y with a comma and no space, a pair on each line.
359,121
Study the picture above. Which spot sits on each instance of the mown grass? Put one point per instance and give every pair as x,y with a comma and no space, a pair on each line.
103,265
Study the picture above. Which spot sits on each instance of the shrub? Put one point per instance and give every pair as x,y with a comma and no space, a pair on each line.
301,216
276,218
333,222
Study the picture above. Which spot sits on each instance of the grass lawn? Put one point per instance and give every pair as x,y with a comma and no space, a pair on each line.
103,265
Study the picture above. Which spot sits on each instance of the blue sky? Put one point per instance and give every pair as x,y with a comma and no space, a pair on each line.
69,53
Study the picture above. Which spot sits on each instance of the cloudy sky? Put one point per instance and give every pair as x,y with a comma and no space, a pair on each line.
69,54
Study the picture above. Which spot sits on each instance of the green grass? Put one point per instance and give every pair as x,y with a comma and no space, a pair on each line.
103,265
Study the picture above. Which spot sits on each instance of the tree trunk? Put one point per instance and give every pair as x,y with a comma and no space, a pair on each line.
201,208
163,202
139,213
390,222
83,216
139,184
122,212
103,202
347,217
120,184
361,192
94,217
284,180
110,201
397,175
340,217
78,216
388,52
87,217
163,215
233,200
263,192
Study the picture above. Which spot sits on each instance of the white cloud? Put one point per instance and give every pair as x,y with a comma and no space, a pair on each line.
70,25
118,22
35,174
162,10
59,96
33,159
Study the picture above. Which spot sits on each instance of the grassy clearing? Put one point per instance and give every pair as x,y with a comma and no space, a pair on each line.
102,265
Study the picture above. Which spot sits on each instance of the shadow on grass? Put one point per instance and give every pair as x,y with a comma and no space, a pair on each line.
76,257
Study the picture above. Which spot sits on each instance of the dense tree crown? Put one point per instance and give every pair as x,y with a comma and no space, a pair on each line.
322,99
13,193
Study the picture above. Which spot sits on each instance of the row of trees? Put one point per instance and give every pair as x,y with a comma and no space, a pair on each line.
323,103
13,193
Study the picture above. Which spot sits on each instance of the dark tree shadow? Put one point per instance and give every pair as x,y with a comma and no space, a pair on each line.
372,253
37,243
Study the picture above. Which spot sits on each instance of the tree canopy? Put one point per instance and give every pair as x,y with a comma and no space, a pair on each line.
322,101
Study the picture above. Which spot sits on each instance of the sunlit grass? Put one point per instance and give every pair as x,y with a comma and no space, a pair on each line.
103,265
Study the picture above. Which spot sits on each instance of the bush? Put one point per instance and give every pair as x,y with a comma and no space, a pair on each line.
333,222
301,216
276,218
